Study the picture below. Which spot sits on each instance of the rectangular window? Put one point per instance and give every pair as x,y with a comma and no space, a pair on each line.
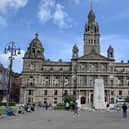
55,98
74,92
55,92
45,92
45,100
105,92
55,102
120,92
65,92
30,92
112,92
128,82
111,82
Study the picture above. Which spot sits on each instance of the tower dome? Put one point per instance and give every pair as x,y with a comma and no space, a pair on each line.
35,49
36,42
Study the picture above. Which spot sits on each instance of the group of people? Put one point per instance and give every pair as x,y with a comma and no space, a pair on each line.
124,109
74,106
29,107
45,105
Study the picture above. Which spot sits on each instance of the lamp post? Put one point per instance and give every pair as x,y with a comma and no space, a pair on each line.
13,51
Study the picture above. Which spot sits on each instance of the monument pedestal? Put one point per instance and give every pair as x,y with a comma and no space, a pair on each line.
99,95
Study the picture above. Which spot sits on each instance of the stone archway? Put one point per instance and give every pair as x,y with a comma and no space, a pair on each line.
83,100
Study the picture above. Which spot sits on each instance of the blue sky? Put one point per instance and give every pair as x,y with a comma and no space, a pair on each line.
60,24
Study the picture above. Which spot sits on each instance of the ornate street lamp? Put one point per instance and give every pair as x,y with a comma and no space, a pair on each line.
13,51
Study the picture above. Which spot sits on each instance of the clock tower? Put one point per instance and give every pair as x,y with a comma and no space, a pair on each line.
91,35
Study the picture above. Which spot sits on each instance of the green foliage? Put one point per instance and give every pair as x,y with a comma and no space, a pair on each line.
10,104
127,99
59,106
2,104
69,98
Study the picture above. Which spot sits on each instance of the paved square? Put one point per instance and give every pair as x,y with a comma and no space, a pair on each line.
41,119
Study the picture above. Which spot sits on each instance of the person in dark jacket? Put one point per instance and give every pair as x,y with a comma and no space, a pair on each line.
124,108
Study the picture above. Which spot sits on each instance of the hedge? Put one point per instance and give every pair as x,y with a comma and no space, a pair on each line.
59,106
10,104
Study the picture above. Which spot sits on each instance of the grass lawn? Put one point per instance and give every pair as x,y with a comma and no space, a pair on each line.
2,111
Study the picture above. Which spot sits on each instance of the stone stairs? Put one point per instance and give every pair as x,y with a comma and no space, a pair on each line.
86,107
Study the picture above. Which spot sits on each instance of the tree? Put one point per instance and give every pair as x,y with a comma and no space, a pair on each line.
127,99
68,98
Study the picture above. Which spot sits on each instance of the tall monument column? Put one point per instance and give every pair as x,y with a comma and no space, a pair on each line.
99,96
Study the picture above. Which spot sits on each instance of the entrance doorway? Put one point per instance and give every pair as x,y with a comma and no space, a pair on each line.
92,98
83,100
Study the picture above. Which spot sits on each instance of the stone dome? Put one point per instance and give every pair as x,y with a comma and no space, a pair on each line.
36,43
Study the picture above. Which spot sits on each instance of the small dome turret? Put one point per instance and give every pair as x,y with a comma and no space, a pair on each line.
75,51
36,42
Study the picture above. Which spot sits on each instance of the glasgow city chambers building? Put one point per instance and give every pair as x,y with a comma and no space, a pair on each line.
47,81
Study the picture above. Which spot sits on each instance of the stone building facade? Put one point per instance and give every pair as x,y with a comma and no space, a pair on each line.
3,81
46,80
15,84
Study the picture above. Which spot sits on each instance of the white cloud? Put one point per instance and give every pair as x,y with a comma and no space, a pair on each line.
14,4
45,11
51,10
3,22
60,16
5,5
17,63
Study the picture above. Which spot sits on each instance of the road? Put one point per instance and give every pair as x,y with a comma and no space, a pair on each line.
41,119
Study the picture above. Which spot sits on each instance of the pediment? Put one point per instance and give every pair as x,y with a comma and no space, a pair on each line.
94,56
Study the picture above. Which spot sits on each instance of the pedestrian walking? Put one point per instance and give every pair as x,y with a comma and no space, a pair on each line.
124,108
46,106
76,109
